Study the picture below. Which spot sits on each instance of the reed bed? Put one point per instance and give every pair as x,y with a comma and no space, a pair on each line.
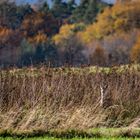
62,99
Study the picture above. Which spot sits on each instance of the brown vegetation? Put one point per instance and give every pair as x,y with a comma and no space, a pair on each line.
49,99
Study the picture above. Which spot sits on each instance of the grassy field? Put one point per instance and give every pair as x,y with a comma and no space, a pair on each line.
46,138
72,134
34,71
36,101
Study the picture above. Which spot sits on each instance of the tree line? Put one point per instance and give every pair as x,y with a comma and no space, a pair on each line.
92,32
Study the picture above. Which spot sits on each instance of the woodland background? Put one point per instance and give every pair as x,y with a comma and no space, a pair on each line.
89,33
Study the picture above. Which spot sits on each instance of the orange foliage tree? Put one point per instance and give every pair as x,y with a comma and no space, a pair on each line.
135,52
38,22
39,38
99,56
9,37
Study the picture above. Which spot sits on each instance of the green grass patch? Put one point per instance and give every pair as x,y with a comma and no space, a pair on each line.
47,138
97,133
69,70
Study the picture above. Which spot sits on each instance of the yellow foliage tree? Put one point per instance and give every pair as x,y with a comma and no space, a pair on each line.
117,19
67,31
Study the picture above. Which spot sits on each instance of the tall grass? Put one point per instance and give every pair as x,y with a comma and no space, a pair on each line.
49,99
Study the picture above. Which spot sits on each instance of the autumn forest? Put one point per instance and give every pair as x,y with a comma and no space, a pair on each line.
65,33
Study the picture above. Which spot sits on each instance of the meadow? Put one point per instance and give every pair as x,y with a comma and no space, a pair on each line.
68,103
